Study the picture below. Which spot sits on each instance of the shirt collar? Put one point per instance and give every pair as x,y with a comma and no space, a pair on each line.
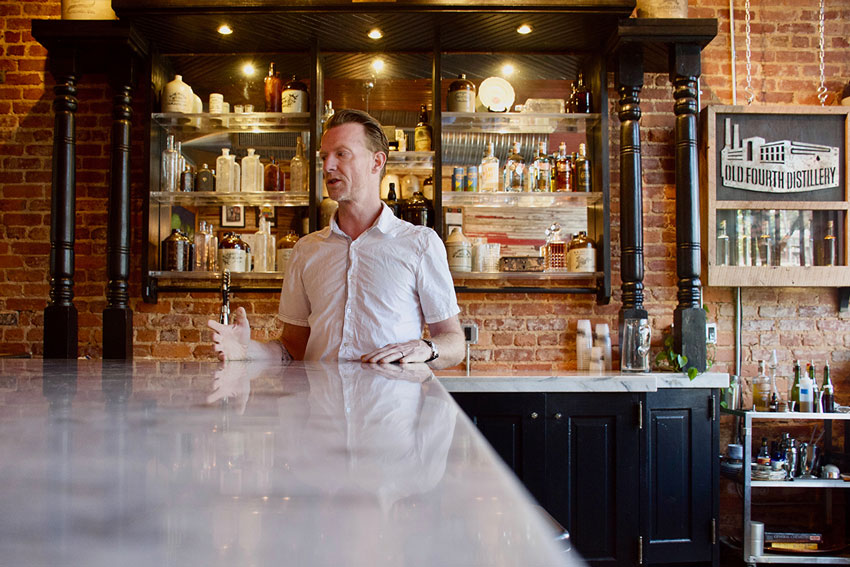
385,222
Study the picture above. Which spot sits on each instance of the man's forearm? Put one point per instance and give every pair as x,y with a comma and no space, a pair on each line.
452,350
271,350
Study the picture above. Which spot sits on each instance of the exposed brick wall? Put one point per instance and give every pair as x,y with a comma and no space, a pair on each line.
523,331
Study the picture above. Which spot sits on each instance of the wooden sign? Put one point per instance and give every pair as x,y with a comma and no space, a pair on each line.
774,180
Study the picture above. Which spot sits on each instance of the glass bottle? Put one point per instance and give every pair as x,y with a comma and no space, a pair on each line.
580,100
828,395
327,113
488,173
298,169
212,249
763,457
272,177
581,254
563,167
284,250
428,187
761,389
169,168
722,245
232,253
392,200
187,179
422,133
205,179
252,172
829,248
461,96
272,89
583,175
815,396
765,246
418,210
542,170
514,174
794,394
294,97
225,172
201,243
555,252
176,252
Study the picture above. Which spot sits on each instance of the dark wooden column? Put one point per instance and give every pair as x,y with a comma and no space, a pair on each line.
689,317
60,315
117,316
77,48
629,81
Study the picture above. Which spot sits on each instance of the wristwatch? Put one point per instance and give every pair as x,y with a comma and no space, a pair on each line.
435,354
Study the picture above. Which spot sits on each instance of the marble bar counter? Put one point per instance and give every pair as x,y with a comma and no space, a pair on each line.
456,382
167,463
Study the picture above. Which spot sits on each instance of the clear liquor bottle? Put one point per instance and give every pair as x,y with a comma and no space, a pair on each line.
829,248
298,169
765,246
170,167
514,174
722,245
542,170
488,173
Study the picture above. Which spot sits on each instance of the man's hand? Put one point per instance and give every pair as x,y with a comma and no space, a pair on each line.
410,351
231,341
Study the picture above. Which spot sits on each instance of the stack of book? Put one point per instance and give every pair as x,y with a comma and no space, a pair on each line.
792,541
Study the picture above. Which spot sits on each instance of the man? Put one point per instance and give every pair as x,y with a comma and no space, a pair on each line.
363,287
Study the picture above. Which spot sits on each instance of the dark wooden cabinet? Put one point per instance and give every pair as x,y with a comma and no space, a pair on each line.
630,475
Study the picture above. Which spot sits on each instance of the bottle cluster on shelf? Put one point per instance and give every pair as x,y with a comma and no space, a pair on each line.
261,251
557,172
496,94
250,174
789,459
415,209
774,238
803,392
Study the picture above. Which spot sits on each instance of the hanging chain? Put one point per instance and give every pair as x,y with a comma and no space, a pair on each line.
751,95
822,88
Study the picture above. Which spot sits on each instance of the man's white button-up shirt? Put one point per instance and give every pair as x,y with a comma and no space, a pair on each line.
360,295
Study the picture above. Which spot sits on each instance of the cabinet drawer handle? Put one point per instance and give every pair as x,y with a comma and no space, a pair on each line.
557,415
534,415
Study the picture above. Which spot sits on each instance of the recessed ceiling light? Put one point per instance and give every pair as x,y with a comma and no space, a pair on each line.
524,29
507,70
375,34
378,65
248,69
224,29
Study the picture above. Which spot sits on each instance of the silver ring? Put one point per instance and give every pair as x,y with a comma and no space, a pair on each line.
401,355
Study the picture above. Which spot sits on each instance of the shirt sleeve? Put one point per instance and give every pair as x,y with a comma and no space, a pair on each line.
434,281
294,304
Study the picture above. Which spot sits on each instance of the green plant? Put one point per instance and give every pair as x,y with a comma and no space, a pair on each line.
669,359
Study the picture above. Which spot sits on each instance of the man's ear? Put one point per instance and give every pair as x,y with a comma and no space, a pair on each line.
379,159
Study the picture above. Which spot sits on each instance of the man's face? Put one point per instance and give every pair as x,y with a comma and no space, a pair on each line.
352,172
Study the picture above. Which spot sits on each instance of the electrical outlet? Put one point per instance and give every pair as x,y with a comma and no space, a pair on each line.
711,333
470,331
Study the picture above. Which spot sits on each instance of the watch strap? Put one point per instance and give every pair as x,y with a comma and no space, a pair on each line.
434,352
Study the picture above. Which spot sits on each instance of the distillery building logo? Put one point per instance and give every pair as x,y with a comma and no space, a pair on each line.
784,166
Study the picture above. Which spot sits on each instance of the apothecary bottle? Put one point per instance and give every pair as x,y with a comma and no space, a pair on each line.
177,252
461,96
298,169
583,174
226,172
422,134
170,167
722,245
581,254
284,250
232,253
252,172
187,179
273,179
295,97
205,179
272,90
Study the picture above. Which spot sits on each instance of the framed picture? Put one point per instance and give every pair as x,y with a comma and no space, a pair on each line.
270,214
233,216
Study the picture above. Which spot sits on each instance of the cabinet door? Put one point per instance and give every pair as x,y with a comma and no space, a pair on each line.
592,473
514,425
680,497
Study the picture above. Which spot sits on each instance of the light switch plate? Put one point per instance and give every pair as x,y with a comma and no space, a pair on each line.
711,333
